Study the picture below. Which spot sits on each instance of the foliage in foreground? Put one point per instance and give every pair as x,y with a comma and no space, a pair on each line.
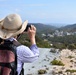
56,62
71,71
41,71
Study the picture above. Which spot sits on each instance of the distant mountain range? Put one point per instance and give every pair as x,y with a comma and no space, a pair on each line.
69,28
44,28
47,28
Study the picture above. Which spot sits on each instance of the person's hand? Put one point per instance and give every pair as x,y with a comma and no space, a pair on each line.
32,32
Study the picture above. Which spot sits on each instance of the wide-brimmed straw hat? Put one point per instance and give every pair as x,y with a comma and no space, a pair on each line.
11,25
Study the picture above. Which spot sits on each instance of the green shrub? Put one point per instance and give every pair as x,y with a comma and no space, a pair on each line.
71,46
59,45
71,71
70,57
42,71
60,72
57,62
71,61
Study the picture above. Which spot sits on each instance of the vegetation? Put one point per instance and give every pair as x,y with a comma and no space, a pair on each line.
63,42
60,72
70,57
71,71
40,42
43,28
69,28
70,39
58,42
57,62
41,71
71,61
72,46
53,50
59,46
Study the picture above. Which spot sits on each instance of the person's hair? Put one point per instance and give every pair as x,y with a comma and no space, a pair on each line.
1,40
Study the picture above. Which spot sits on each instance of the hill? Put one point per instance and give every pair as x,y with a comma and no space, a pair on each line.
47,29
44,28
24,39
69,28
41,28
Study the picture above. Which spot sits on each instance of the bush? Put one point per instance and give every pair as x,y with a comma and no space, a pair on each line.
71,46
71,71
42,71
59,45
70,57
57,62
53,50
71,61
60,72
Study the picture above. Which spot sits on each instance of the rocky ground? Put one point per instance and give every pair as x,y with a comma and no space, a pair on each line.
68,57
43,62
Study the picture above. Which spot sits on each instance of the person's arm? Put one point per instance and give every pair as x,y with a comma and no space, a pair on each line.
31,33
27,54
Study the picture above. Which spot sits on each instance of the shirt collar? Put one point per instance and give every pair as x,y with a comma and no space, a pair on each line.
11,39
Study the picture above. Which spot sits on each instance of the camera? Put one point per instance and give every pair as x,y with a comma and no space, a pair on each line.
29,25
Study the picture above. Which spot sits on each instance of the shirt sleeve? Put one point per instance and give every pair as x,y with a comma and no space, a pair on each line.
26,54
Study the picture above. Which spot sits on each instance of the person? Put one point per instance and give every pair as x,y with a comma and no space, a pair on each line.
10,27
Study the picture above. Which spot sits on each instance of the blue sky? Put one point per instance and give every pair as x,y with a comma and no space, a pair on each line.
41,11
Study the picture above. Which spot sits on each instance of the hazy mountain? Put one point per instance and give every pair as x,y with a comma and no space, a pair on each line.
44,27
58,25
48,28
69,28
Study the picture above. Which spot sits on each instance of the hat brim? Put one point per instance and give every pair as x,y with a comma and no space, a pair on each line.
5,34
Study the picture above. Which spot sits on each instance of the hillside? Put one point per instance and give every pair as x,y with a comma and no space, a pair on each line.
47,29
41,28
69,28
44,28
24,39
